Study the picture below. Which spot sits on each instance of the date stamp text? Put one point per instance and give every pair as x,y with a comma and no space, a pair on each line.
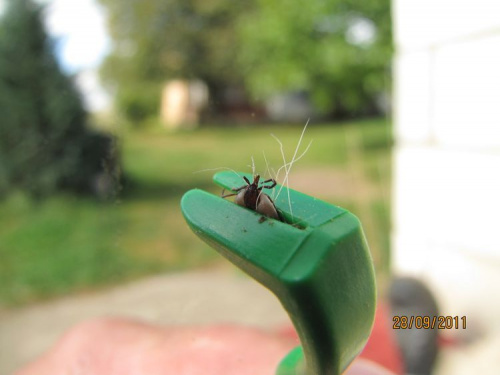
429,322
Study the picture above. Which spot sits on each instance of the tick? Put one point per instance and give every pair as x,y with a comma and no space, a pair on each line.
251,196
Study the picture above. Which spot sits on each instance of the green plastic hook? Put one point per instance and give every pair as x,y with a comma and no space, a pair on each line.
320,269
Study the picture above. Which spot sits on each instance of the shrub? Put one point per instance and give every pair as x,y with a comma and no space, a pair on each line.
45,145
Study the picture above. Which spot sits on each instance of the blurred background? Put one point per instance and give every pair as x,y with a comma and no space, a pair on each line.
112,109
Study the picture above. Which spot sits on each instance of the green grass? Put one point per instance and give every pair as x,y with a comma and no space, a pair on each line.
68,244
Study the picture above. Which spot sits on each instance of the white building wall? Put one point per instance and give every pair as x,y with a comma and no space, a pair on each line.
447,164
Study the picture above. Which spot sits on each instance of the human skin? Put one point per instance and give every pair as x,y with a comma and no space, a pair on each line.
117,346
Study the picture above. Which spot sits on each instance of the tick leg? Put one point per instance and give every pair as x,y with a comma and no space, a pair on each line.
228,195
273,183
222,195
240,188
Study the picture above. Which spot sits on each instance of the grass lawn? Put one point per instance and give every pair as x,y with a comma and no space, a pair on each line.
68,244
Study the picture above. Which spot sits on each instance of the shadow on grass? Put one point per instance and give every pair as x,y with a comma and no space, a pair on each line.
135,190
376,144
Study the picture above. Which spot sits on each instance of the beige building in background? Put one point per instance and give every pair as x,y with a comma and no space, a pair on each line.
182,102
447,167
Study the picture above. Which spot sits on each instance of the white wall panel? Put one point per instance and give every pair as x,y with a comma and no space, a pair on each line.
466,99
422,23
413,96
448,197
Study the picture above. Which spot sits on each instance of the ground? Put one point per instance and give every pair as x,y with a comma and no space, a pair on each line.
222,295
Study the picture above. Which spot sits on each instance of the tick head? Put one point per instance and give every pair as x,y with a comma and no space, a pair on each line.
256,179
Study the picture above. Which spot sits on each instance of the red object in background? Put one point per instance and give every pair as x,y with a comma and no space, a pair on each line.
381,348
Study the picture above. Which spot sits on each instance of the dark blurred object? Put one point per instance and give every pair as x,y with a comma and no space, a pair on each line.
45,145
99,172
290,107
410,297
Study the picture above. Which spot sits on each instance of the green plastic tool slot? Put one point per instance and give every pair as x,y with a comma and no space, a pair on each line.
320,268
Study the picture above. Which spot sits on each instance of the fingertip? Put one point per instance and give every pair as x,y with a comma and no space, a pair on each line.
364,367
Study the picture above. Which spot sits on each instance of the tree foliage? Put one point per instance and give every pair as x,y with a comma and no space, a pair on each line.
337,51
45,145
157,40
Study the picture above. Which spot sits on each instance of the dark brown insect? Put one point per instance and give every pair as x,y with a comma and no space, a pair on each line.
251,196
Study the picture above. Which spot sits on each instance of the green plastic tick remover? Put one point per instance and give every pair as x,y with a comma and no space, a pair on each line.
320,269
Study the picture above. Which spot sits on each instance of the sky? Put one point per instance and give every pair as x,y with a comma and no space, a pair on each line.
79,30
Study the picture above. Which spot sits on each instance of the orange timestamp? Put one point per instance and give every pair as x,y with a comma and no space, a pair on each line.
429,322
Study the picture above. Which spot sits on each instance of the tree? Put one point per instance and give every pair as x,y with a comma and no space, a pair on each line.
338,51
45,145
158,40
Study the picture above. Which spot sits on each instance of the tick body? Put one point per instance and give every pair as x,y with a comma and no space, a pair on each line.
251,196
